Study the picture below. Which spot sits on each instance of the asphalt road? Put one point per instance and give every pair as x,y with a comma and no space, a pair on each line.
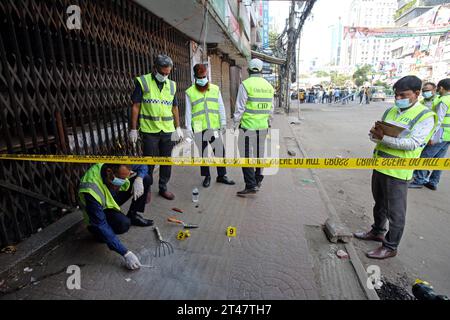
341,131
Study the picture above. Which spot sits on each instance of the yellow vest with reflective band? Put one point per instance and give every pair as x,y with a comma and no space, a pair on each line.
205,108
92,183
408,120
156,106
430,103
445,125
259,103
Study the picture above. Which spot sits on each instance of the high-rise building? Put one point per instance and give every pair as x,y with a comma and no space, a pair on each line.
370,50
336,33
410,9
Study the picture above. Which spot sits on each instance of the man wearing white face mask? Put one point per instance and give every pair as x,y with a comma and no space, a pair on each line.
103,189
438,145
390,186
428,94
156,107
205,116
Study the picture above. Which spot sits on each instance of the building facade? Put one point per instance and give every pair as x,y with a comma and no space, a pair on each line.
65,87
428,57
370,50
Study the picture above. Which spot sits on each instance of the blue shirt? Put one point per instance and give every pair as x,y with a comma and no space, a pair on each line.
97,220
97,217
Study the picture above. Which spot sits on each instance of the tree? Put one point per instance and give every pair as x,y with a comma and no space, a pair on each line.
321,74
339,79
361,75
381,84
273,36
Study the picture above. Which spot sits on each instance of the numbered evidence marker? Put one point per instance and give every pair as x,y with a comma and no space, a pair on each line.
231,232
183,234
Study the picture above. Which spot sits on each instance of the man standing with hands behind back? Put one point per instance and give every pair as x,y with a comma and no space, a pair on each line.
390,186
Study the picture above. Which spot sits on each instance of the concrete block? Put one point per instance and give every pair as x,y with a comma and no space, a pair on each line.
336,231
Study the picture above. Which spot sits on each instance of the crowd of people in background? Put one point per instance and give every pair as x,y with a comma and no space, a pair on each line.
319,94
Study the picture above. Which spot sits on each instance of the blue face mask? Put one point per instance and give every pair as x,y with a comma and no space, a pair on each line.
427,94
201,82
402,103
118,182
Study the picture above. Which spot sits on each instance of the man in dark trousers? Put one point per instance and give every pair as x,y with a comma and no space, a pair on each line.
156,107
103,189
254,107
205,120
390,186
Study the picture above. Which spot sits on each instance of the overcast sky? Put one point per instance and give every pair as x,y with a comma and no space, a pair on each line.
315,41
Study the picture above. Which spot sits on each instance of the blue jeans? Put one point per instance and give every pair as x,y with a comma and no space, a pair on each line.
437,150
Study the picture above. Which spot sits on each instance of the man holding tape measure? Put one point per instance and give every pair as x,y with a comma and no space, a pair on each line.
390,186
254,107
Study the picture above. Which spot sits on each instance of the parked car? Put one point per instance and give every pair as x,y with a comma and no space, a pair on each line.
378,93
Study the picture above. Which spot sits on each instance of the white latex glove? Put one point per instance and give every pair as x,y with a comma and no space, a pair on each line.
138,188
180,134
132,262
236,126
133,135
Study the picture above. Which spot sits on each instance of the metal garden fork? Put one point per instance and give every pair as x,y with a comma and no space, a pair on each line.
163,245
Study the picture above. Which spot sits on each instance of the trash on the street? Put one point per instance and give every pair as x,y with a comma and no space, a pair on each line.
9,249
342,254
127,279
421,238
27,269
177,210
291,153
163,245
195,195
308,181
185,225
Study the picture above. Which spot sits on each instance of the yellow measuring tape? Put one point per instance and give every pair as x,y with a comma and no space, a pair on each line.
287,163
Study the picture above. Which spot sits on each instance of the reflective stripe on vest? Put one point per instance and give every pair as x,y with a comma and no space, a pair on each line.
259,103
205,108
446,121
92,183
408,120
96,189
156,107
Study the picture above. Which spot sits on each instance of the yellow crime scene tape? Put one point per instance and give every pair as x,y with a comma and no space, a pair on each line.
287,163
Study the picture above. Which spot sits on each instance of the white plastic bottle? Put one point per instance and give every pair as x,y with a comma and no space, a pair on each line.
195,195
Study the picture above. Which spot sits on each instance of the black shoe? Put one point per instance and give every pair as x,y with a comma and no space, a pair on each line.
430,186
138,220
225,180
247,192
258,184
207,181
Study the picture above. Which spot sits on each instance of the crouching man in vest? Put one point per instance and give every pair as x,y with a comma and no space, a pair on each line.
390,186
205,116
254,107
156,107
103,189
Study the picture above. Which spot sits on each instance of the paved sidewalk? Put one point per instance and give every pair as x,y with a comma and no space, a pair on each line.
279,252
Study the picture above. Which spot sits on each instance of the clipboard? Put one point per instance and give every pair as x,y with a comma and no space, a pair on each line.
390,129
